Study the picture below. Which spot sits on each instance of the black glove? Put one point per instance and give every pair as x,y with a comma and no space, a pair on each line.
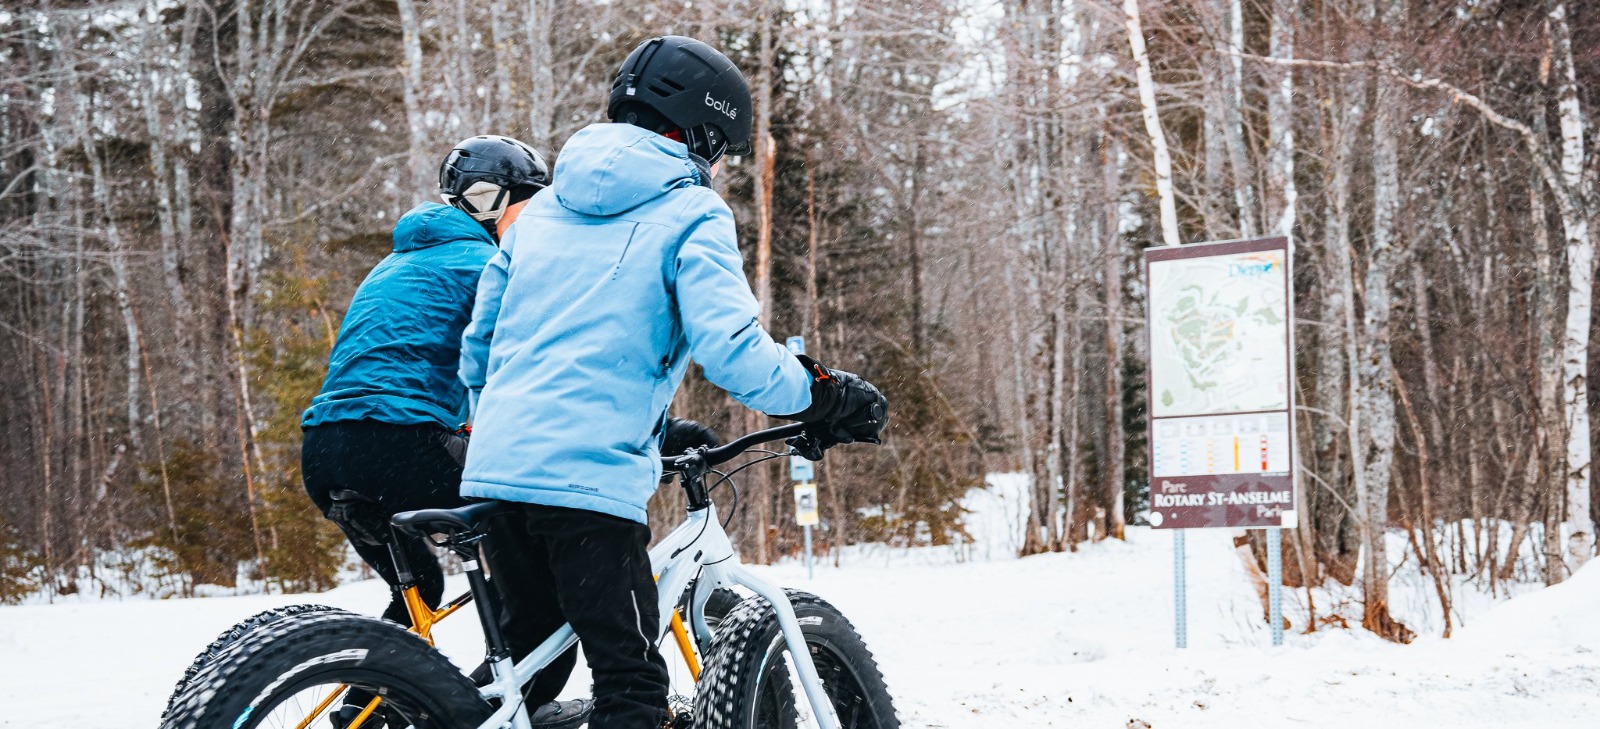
360,518
681,435
849,408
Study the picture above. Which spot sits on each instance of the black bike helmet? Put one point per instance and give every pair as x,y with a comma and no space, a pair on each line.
486,174
688,87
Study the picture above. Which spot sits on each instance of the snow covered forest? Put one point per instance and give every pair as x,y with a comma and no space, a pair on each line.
950,198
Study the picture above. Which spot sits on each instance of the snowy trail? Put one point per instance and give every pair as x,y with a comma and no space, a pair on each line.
1075,640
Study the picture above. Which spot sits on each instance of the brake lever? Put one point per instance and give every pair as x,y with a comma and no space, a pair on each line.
806,446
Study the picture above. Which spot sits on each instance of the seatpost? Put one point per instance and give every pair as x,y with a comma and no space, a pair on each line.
402,567
488,602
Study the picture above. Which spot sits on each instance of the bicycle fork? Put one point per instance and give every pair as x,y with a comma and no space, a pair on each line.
789,624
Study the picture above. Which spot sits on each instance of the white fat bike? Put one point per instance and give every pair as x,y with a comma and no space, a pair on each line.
289,670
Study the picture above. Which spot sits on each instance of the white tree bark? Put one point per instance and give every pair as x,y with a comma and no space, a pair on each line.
1152,123
1054,478
104,221
1376,388
1112,258
1216,155
1578,526
542,94
1375,400
166,217
411,86
465,80
1244,195
502,98
1282,195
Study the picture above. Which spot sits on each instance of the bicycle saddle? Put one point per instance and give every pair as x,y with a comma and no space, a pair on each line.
460,520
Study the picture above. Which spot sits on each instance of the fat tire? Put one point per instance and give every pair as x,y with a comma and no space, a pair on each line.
719,604
276,660
747,652
234,635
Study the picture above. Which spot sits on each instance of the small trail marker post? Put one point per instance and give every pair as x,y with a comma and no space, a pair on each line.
805,513
1221,329
803,473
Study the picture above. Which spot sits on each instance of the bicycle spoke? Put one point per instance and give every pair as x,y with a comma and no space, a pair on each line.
322,707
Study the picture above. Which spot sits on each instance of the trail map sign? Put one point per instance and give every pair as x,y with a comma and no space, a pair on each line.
1221,434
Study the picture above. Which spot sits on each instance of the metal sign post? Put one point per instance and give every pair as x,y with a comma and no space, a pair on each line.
805,514
802,471
1221,433
1180,589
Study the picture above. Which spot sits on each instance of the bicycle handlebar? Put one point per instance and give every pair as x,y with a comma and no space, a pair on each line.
727,452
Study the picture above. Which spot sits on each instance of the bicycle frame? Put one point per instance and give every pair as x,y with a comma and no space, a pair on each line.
423,618
697,550
698,546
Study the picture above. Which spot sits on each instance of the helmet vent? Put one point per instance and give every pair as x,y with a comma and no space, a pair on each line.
669,83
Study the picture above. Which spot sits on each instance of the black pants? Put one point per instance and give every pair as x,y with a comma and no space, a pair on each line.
553,566
403,468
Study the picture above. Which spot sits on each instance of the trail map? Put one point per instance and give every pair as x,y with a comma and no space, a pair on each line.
1209,319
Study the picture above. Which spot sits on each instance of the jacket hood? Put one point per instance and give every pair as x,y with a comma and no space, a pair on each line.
431,224
607,169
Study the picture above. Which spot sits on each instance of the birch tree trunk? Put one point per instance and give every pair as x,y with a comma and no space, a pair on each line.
1116,446
1376,386
1578,527
1336,342
411,95
1152,123
1541,474
1233,86
465,84
502,98
166,217
1216,160
1054,478
105,222
542,93
1280,217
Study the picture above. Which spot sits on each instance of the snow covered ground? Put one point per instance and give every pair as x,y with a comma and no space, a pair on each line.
973,640
1053,641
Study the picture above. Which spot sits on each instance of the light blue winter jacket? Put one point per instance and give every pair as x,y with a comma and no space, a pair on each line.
604,288
398,352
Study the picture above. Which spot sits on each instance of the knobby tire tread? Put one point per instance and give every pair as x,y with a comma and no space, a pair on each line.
328,648
727,690
234,635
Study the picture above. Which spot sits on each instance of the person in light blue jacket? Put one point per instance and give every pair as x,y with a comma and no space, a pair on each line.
608,284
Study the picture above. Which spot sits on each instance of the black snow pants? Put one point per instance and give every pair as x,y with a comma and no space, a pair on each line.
402,468
552,566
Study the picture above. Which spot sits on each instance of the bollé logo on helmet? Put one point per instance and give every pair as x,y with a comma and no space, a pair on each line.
731,111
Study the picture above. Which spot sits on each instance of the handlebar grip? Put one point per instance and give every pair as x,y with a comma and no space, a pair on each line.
727,452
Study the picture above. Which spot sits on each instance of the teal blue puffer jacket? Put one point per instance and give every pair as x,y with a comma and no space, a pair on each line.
399,348
604,288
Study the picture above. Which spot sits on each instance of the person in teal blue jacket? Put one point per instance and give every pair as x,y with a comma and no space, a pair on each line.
610,281
380,438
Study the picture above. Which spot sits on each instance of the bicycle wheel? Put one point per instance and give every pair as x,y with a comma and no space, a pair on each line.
234,635
292,672
747,682
719,603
